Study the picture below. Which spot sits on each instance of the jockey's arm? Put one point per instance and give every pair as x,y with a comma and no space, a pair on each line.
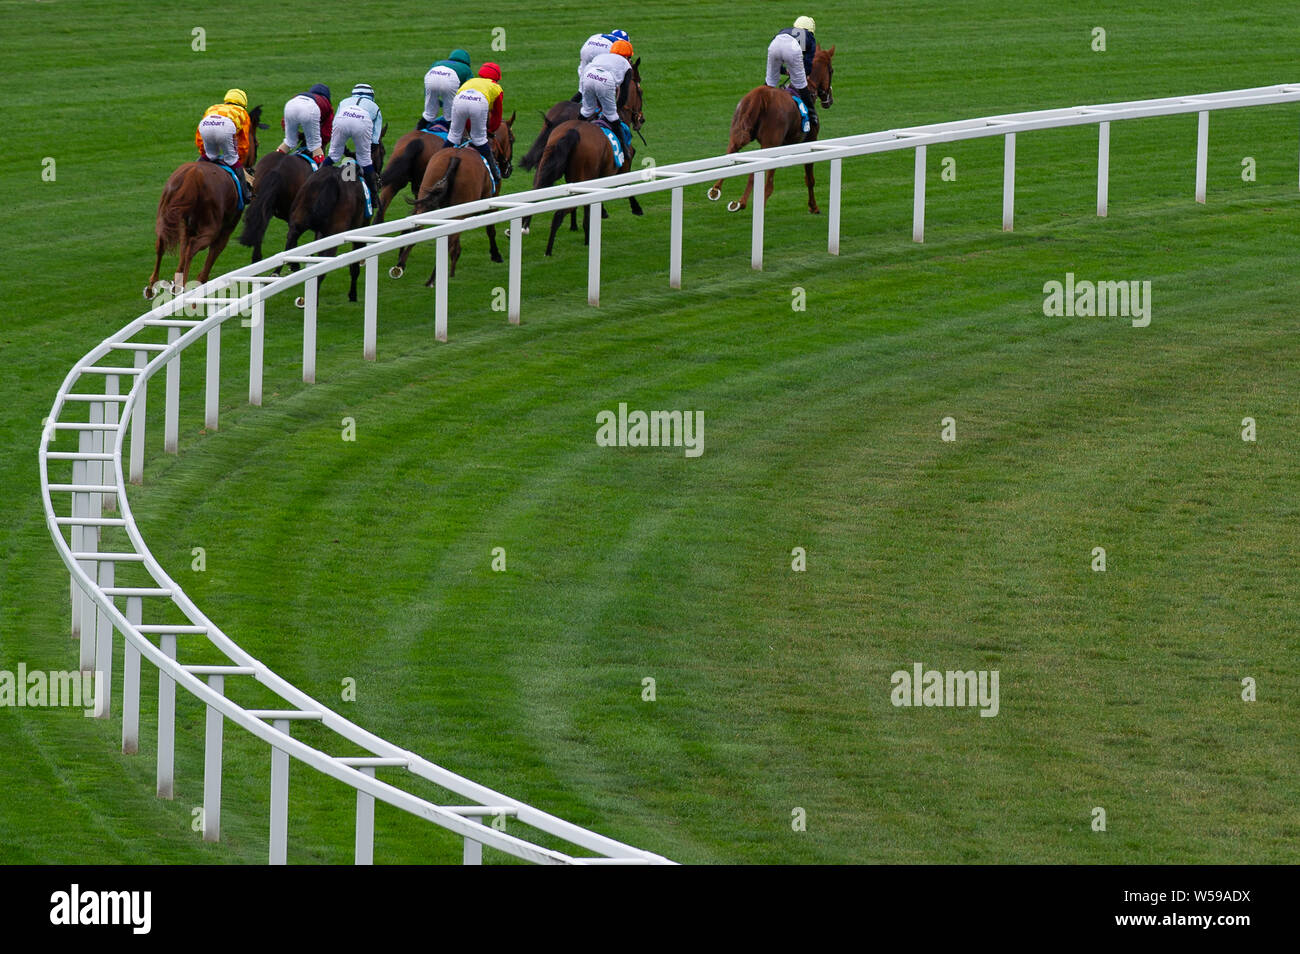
494,117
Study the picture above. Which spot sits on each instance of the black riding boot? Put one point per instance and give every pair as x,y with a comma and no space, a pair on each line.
372,182
485,151
576,98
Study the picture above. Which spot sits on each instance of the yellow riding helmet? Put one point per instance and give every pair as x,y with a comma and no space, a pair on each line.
237,97
806,23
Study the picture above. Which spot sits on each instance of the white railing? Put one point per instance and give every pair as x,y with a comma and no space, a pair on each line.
98,482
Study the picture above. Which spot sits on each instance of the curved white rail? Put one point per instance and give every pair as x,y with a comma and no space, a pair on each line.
98,483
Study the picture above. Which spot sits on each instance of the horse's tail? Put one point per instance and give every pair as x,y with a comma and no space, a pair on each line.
258,214
744,122
176,206
326,198
438,193
534,154
398,171
555,160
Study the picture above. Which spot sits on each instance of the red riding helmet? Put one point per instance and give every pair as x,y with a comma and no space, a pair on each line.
490,71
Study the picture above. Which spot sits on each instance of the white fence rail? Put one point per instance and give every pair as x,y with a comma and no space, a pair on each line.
96,489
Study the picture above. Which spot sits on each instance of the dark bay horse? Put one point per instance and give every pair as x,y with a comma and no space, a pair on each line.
279,176
411,155
333,200
460,175
578,151
769,116
198,210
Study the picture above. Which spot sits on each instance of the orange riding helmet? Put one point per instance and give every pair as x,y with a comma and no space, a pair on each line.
622,48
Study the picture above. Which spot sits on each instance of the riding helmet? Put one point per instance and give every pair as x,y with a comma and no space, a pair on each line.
490,71
806,23
622,48
237,97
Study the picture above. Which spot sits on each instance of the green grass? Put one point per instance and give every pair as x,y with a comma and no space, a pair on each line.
371,559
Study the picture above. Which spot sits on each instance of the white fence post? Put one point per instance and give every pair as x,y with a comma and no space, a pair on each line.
1202,153
593,256
675,241
131,681
212,390
918,196
473,854
138,422
104,648
516,269
105,439
166,721
365,844
833,239
78,507
759,198
310,293
370,332
1103,169
172,412
440,291
212,765
280,799
1009,182
256,346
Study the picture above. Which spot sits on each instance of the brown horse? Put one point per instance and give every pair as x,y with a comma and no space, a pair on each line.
199,209
410,157
460,175
566,110
279,176
333,200
579,151
770,116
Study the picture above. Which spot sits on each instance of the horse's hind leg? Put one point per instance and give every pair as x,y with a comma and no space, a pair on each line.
213,251
555,227
354,270
453,254
767,184
492,244
573,219
636,206
157,266
812,199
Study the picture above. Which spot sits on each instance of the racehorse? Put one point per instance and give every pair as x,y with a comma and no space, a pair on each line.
199,209
279,176
579,151
770,116
333,200
460,175
566,110
411,155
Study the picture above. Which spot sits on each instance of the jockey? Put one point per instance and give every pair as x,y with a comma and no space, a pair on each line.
224,133
312,114
601,81
791,51
595,45
360,120
478,105
441,83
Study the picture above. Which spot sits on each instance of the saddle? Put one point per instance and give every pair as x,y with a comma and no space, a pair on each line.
365,189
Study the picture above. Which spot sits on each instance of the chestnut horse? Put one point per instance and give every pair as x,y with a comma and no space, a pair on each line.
410,157
199,209
457,175
770,116
566,110
579,151
279,176
333,200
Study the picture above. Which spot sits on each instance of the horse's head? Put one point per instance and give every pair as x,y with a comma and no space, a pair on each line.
503,146
255,123
377,151
819,79
630,102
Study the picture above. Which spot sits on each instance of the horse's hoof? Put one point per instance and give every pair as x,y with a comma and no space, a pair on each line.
815,211
148,293
300,302
637,210
396,271
352,296
714,193
734,206
497,258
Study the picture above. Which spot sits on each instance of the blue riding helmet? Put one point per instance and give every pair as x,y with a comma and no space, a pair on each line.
320,89
619,34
